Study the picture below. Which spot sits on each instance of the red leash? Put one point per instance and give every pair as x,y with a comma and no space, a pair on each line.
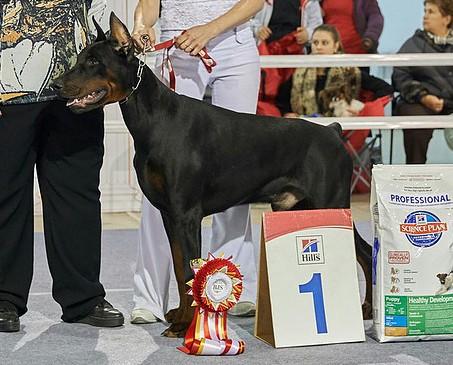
207,60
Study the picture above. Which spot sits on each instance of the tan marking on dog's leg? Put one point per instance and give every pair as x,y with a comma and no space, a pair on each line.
156,180
284,201
181,317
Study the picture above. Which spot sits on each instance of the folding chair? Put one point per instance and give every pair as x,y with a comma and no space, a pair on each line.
364,147
363,158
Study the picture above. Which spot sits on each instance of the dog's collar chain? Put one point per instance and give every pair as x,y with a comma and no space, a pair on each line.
208,62
141,66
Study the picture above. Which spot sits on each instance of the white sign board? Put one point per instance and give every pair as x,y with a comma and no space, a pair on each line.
308,290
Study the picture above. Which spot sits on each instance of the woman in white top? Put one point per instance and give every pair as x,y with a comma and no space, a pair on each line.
223,27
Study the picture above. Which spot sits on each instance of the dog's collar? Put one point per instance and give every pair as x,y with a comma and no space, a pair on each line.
141,66
142,62
207,60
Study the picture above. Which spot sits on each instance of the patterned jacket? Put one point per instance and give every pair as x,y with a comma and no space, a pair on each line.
39,40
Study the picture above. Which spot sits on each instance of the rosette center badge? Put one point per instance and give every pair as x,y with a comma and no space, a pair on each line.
219,287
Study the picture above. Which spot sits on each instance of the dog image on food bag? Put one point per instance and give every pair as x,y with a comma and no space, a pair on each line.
446,282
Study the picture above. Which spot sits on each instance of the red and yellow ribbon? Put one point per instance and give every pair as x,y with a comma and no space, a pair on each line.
216,288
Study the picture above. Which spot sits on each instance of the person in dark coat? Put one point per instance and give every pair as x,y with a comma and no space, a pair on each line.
426,90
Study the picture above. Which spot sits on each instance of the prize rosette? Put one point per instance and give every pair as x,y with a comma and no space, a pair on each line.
216,288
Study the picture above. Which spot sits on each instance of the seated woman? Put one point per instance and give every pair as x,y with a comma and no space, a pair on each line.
426,90
320,91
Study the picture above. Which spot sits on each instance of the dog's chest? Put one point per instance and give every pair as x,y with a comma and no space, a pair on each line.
155,180
152,182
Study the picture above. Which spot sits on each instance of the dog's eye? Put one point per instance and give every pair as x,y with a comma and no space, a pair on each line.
92,61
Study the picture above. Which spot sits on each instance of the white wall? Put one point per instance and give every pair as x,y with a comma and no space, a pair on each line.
119,188
401,18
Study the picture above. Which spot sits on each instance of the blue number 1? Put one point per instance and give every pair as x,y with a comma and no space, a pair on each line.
314,286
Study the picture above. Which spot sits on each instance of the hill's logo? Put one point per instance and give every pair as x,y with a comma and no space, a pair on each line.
310,250
423,229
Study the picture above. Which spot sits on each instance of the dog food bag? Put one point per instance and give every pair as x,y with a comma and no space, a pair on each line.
412,210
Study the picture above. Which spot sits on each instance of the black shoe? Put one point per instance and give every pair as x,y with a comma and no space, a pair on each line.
9,318
103,315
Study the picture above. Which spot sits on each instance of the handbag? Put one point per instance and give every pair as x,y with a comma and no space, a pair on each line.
270,77
286,45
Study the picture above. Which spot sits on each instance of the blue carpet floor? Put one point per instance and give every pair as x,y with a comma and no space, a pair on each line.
44,339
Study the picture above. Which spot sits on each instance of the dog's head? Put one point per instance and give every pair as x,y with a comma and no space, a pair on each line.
333,95
442,277
101,74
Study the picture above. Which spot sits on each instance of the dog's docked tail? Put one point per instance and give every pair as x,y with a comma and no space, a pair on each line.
336,126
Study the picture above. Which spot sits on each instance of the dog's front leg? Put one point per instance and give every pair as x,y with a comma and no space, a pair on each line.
184,235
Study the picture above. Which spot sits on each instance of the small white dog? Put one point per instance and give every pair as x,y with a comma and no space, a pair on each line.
446,282
338,101
341,108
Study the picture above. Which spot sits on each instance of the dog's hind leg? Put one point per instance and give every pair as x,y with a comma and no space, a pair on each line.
284,201
184,234
364,257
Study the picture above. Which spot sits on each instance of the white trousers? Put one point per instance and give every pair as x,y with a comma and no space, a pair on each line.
234,83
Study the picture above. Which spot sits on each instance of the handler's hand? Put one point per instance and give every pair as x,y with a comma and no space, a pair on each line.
433,102
301,35
194,39
367,44
353,112
291,115
139,35
263,33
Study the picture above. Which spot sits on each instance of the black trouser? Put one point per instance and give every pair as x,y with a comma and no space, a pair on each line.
416,141
67,150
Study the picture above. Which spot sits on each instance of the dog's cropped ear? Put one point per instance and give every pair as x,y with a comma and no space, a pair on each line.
120,34
438,275
100,33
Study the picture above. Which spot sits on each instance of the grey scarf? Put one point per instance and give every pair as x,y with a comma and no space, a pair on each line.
442,40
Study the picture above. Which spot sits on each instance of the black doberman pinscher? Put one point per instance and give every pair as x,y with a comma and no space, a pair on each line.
193,159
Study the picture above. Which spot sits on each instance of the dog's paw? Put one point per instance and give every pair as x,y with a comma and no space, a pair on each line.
171,316
367,310
176,330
